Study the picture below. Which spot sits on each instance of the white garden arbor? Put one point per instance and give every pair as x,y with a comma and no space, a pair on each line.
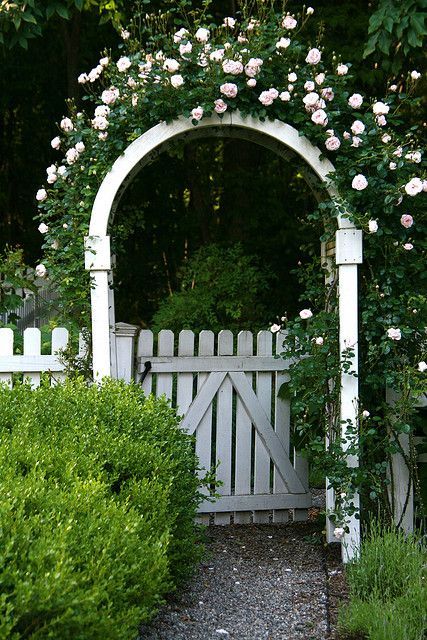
284,140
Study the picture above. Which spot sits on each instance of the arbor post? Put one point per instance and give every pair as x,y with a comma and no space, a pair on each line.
348,256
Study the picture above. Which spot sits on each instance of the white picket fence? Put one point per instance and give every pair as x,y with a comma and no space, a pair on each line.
227,393
32,363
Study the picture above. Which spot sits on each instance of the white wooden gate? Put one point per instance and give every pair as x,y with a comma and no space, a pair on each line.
228,399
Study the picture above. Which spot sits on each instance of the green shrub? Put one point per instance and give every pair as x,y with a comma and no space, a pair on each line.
388,590
97,514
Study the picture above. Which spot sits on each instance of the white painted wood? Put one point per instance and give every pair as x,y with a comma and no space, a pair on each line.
145,353
401,491
263,392
6,353
348,246
97,253
257,502
348,336
216,363
125,335
165,348
202,401
100,325
282,420
268,436
242,482
184,394
112,320
301,469
224,426
28,364
204,430
32,347
59,342
163,133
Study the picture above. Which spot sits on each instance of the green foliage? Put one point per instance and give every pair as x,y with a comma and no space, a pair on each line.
388,591
395,29
22,20
13,275
99,496
220,289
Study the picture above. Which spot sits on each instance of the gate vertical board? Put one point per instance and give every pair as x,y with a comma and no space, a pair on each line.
236,395
282,421
242,482
263,392
224,417
204,430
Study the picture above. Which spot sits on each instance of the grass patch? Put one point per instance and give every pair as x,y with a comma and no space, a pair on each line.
387,588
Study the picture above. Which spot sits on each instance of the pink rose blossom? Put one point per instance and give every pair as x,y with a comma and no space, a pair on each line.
40,270
229,22
103,135
305,314
234,67
202,34
51,178
339,532
398,152
55,143
171,65
319,341
333,143
406,220
381,121
251,82
414,186
342,69
356,141
392,166
266,98
177,81
197,113
320,78
66,124
357,127
229,90
179,35
41,195
289,22
346,135
283,43
328,94
380,109
109,96
71,156
414,156
102,110
313,56
100,123
309,85
124,34
220,106
217,55
275,328
386,138
184,49
408,246
292,77
311,99
355,101
359,182
285,96
123,64
104,61
394,334
253,67
319,117
82,79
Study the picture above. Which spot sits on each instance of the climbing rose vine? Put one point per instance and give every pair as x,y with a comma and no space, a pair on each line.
262,66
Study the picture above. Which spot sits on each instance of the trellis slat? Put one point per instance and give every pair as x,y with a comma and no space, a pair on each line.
224,417
263,392
242,481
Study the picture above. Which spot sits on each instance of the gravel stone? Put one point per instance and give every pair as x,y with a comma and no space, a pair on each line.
258,582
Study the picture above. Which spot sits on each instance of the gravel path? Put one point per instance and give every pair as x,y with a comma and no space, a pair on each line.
258,582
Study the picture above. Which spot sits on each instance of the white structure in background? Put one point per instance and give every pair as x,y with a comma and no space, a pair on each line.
284,140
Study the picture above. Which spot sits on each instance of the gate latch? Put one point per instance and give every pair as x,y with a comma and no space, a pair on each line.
147,368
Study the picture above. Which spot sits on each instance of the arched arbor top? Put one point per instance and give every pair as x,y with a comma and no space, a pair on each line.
277,136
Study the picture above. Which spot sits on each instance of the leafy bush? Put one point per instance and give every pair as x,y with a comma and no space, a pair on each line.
388,591
220,289
97,515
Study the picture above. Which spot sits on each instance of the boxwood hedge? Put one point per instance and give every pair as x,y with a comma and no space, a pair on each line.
98,499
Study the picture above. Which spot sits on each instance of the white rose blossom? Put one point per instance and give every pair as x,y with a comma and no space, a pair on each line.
41,195
342,69
66,124
339,532
283,43
414,186
422,366
40,270
43,228
275,328
202,34
177,81
394,334
305,314
123,64
373,226
415,75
